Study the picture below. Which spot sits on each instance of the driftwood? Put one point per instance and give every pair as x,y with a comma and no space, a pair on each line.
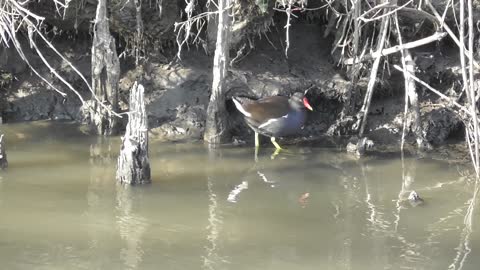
105,75
3,155
133,163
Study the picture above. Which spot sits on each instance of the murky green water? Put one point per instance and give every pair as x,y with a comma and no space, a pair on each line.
309,208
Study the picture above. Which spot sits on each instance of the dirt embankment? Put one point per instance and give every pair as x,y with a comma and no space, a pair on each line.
177,94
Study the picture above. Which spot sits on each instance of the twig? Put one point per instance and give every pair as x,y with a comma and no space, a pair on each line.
407,78
410,45
185,27
447,98
21,17
288,10
448,30
375,8
384,5
350,95
471,97
373,74
473,107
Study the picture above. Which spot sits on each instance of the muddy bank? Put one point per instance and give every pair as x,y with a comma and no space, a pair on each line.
177,92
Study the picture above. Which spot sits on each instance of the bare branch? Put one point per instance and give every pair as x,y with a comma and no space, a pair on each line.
384,5
473,101
373,74
448,30
13,17
410,45
440,94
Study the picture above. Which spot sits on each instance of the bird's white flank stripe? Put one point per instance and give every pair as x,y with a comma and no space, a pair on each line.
272,120
240,108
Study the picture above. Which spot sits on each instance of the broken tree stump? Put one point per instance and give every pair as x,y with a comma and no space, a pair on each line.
3,155
133,164
105,76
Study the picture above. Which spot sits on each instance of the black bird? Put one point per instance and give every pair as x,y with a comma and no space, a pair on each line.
274,116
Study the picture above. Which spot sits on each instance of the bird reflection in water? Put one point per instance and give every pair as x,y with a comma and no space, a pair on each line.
271,172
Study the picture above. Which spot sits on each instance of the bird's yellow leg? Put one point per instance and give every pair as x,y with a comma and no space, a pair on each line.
257,140
275,153
275,143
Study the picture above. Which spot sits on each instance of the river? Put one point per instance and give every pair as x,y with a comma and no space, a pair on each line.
307,208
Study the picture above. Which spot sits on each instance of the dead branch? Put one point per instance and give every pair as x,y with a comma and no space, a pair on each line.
288,10
407,79
139,35
473,101
440,94
411,96
15,16
3,154
286,6
184,29
410,45
373,75
351,94
448,30
471,132
186,26
382,6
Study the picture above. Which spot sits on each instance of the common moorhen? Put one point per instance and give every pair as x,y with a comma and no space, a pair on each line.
274,116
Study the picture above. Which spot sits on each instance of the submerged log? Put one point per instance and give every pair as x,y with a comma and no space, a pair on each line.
3,155
133,164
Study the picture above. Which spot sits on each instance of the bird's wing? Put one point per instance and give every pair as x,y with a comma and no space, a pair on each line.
265,109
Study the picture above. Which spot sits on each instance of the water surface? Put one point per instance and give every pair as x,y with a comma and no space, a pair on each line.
309,208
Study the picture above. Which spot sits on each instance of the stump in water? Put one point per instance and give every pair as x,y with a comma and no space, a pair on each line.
133,164
3,155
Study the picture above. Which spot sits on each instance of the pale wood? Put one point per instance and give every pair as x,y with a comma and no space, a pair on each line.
471,88
410,45
133,162
105,75
411,91
411,95
373,74
216,128
3,154
449,31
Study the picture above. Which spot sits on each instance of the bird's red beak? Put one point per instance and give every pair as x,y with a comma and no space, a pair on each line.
306,104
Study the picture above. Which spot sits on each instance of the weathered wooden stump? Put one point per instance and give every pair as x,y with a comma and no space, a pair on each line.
105,76
3,155
133,164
